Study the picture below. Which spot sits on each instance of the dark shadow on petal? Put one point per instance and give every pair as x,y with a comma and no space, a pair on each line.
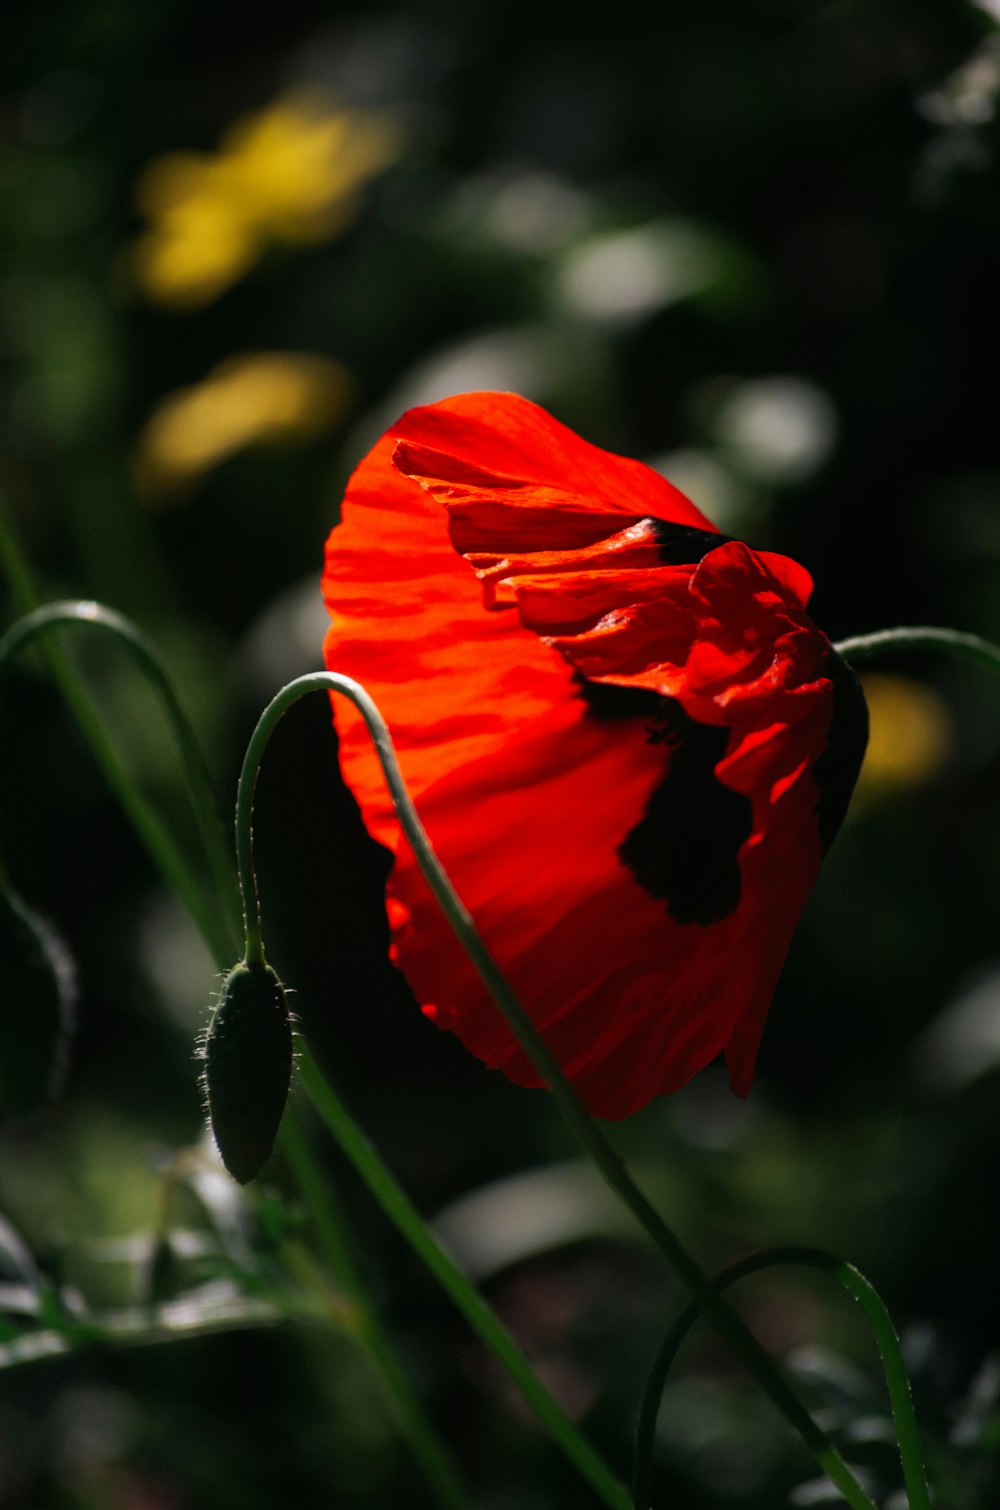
679,543
685,847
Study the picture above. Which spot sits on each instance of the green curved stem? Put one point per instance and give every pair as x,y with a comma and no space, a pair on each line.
398,1207
360,1152
145,822
970,647
15,569
55,616
756,1360
346,1266
217,934
151,831
900,1397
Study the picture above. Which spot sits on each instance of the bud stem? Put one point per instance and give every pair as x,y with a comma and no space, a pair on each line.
342,1126
970,647
757,1361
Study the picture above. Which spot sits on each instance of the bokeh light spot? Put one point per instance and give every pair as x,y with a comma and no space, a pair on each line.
252,398
911,734
289,175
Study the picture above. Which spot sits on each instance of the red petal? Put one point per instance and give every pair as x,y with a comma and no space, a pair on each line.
408,623
637,546
499,442
526,795
632,1002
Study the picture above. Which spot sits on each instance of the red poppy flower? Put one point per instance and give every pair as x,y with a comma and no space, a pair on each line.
627,740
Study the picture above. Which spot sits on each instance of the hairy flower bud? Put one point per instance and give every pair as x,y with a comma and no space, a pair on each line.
248,1067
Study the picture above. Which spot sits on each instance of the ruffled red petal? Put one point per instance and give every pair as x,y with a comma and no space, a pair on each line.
500,444
574,576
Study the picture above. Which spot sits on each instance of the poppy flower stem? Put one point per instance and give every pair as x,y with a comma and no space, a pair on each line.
347,1267
864,1292
757,1361
342,1126
970,647
466,1298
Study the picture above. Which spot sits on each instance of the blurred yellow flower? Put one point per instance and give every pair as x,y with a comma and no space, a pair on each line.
911,734
248,399
289,174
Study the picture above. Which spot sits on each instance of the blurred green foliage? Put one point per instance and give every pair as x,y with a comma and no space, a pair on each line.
752,241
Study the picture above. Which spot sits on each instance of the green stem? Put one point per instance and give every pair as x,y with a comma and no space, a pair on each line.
147,825
868,647
332,1231
152,832
253,946
41,621
14,565
358,1150
901,1400
54,616
466,1298
150,829
756,1360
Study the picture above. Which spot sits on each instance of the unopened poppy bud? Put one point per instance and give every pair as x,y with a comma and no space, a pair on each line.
248,1067
37,998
